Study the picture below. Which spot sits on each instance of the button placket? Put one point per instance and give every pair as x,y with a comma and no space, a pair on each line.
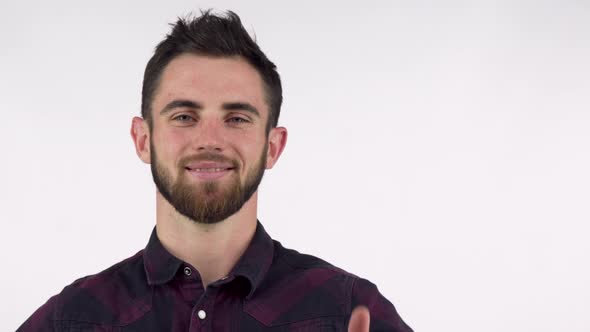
203,310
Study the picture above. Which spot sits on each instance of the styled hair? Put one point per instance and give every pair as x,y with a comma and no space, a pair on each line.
211,35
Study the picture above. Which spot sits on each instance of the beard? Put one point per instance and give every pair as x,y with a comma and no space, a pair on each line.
212,201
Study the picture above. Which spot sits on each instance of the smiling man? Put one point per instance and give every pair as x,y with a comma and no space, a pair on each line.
210,107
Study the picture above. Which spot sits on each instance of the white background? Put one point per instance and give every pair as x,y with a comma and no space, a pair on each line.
437,148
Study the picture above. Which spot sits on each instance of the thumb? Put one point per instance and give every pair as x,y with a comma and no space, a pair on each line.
359,320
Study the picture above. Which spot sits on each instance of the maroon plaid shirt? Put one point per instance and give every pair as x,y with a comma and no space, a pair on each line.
271,288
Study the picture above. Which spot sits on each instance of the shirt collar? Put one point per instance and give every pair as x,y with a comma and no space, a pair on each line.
256,260
161,266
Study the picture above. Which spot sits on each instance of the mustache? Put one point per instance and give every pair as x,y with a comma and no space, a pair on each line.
208,156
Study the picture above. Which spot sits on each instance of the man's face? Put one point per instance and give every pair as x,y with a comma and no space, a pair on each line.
208,143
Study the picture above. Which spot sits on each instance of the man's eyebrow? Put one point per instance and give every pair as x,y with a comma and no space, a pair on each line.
238,106
180,103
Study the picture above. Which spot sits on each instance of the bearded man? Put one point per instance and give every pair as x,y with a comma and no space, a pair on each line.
209,128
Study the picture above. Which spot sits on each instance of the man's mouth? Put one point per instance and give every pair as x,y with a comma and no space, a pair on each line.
209,170
217,169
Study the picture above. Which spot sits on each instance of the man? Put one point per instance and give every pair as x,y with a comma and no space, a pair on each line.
210,107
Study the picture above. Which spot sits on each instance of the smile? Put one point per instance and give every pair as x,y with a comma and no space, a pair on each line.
210,173
209,169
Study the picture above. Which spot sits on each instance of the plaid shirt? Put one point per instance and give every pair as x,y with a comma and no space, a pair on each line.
271,288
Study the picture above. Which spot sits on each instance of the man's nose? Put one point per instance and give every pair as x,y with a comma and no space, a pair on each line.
209,136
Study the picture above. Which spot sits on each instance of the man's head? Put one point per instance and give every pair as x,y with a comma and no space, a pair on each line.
215,36
210,106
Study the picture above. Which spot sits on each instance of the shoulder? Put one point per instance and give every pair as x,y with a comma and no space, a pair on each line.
96,299
105,296
302,261
131,267
313,288
309,272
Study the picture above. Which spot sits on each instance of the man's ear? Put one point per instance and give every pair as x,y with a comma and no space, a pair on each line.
140,134
277,139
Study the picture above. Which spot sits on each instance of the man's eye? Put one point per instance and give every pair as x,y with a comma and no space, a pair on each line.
236,119
183,118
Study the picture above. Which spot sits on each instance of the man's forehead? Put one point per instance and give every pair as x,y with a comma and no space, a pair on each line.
209,79
209,69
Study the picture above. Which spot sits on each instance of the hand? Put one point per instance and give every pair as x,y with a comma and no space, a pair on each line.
359,320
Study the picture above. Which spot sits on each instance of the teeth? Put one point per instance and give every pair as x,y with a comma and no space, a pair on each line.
208,169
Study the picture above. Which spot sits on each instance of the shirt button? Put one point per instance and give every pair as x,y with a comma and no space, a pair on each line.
187,271
202,314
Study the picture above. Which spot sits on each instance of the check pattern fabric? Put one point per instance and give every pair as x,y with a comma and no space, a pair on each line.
271,288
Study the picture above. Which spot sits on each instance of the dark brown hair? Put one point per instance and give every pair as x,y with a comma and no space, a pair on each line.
211,35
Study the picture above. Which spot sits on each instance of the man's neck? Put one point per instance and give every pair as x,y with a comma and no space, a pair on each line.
213,249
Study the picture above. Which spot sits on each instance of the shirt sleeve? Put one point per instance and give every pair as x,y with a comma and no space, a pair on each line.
42,319
384,317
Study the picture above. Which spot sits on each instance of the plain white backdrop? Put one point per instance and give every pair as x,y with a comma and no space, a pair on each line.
438,148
